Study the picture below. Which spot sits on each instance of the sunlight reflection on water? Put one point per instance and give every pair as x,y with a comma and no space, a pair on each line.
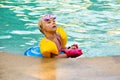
93,24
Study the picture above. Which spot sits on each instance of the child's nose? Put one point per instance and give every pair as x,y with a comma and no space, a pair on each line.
53,22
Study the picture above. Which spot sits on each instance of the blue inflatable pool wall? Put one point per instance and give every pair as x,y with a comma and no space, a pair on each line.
33,51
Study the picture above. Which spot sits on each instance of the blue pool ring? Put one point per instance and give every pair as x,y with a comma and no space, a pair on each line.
35,51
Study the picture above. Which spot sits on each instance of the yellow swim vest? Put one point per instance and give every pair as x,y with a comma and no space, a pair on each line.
47,46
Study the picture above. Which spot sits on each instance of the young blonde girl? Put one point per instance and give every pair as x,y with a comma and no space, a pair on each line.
55,38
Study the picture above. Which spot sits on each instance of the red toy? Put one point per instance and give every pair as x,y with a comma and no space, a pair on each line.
73,51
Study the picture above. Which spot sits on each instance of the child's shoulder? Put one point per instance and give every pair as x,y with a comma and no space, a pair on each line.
46,42
59,28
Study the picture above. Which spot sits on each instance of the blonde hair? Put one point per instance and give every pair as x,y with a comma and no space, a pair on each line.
40,26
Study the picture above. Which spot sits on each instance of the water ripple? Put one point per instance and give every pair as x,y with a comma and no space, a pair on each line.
93,24
20,32
6,37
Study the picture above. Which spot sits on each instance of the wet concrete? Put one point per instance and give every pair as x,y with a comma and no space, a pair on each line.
16,67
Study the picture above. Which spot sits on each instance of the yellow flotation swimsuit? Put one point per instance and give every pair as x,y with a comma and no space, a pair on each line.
47,46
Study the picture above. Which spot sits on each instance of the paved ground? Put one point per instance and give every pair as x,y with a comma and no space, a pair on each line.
16,67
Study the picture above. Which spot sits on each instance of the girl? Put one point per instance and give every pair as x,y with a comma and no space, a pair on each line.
55,38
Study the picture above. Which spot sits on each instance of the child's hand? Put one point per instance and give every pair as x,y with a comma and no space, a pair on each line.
74,46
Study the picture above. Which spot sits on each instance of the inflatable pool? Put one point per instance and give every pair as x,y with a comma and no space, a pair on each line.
33,51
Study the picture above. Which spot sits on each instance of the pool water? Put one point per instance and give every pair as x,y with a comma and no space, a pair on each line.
93,24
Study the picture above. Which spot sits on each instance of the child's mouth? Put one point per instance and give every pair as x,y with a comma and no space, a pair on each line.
54,26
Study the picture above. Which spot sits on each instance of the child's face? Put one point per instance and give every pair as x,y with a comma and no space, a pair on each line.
49,25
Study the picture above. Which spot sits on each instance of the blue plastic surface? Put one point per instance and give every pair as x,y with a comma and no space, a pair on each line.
33,51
